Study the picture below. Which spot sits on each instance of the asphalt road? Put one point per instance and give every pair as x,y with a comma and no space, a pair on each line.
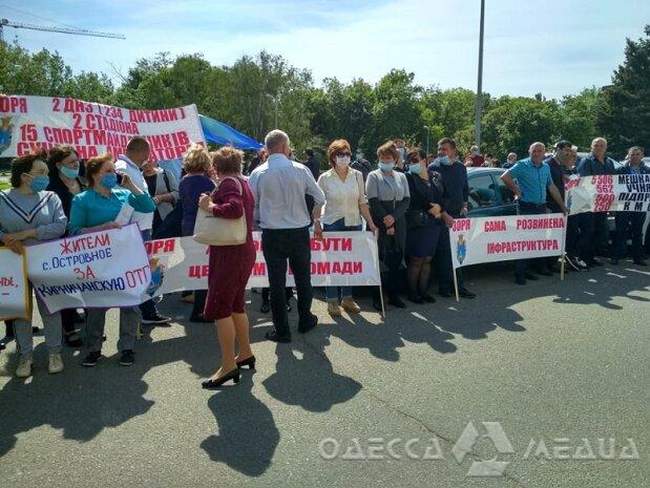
546,374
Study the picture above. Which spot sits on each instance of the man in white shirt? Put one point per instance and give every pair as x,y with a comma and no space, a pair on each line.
130,164
279,186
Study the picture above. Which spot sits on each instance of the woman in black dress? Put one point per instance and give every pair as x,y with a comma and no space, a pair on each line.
425,218
63,163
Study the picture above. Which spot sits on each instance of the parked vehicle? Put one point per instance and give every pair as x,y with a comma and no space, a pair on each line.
488,194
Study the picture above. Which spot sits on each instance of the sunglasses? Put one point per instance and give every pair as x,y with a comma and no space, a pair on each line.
343,153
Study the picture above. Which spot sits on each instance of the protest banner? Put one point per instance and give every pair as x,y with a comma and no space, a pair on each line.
14,290
340,259
491,239
29,122
100,269
608,193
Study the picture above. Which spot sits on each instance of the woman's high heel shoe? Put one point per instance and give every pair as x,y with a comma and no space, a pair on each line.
249,361
214,384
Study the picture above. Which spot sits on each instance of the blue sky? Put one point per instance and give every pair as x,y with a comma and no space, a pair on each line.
551,46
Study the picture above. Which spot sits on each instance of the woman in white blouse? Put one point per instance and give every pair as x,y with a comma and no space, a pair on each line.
345,204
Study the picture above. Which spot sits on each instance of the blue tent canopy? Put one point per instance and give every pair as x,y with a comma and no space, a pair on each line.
220,133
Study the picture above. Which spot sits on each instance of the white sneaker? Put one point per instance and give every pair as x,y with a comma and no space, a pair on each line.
24,369
56,363
581,264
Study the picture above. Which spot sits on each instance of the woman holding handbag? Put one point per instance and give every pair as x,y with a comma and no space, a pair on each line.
231,264
424,222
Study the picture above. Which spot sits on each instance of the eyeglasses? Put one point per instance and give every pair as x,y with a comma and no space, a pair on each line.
70,162
343,153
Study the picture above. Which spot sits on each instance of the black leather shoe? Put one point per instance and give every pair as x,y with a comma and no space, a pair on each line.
91,359
127,358
273,336
428,298
415,298
303,328
465,293
214,384
396,301
250,362
531,276
445,294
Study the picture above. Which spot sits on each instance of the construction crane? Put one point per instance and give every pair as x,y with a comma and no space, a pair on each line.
63,30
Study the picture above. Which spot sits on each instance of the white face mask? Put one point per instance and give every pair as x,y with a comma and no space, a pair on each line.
342,161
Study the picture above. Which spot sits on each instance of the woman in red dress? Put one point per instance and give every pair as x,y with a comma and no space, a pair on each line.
230,268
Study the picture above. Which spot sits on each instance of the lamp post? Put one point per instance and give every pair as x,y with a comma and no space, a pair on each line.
276,101
426,127
479,89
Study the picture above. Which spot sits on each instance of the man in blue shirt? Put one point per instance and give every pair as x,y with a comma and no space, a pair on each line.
633,220
280,186
534,180
594,231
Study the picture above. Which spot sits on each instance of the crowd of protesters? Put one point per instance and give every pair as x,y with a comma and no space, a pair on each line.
408,199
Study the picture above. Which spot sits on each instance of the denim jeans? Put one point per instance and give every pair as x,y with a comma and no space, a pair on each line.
339,292
52,330
147,309
95,320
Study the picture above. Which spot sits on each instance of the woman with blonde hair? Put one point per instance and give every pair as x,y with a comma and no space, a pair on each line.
197,166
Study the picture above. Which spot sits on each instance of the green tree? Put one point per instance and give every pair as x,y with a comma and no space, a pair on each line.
624,115
395,110
512,124
579,117
341,111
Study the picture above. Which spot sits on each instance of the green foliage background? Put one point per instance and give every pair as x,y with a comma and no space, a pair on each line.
255,92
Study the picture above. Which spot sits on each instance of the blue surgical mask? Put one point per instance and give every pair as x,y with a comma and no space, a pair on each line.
415,168
444,160
109,180
71,173
40,182
386,167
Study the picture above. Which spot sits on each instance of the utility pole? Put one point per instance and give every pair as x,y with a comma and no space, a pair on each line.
426,127
479,89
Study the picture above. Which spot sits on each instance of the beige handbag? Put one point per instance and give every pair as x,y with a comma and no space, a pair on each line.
217,231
